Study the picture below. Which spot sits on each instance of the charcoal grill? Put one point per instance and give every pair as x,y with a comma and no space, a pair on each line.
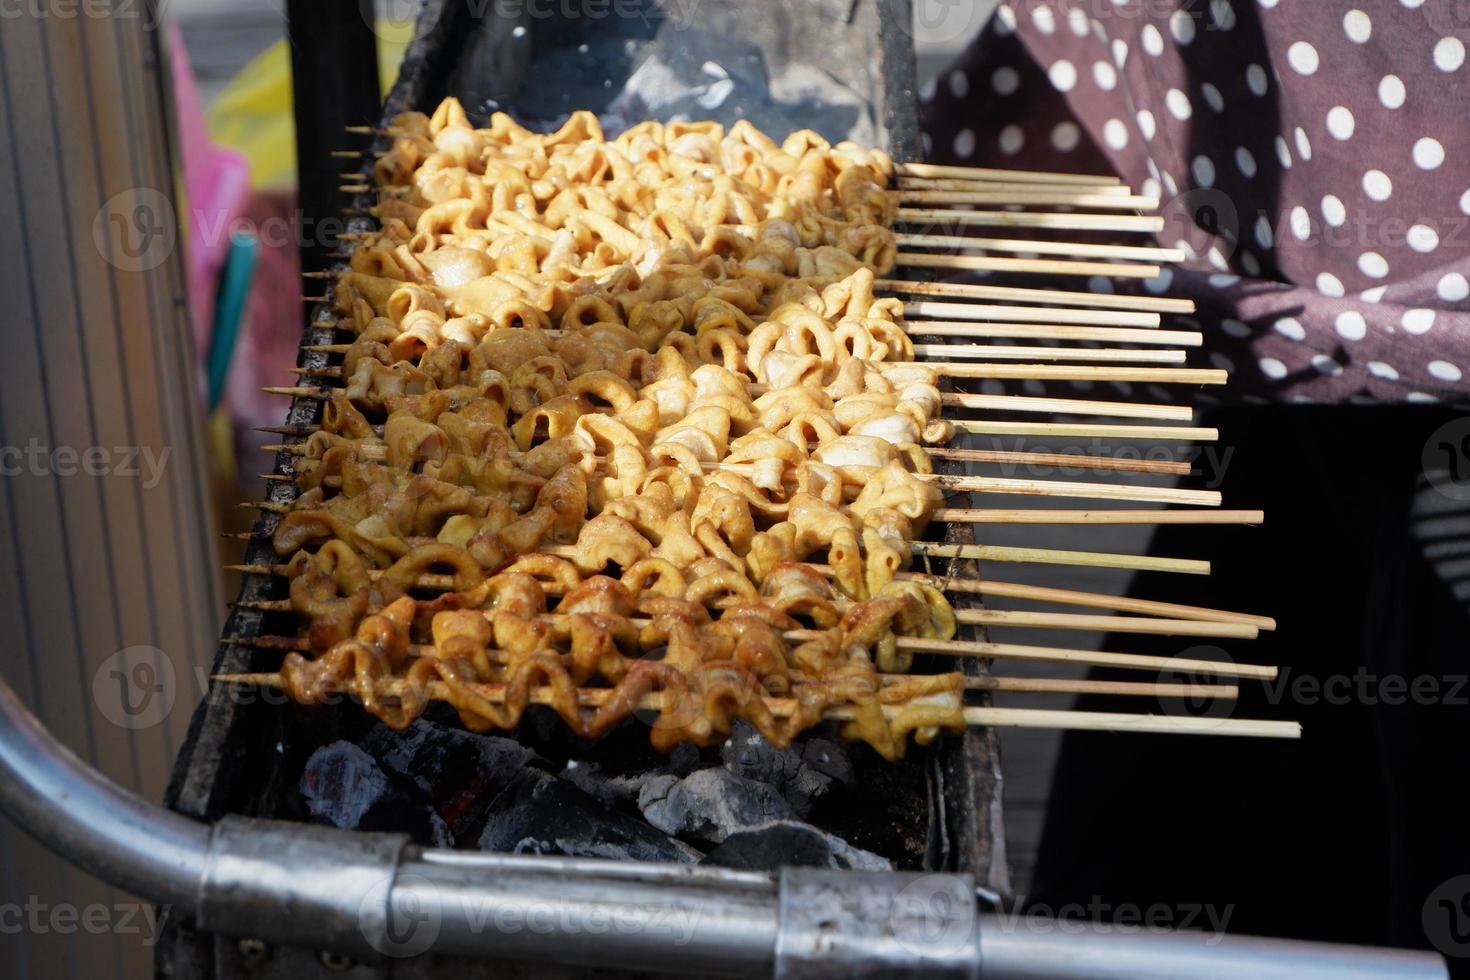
938,810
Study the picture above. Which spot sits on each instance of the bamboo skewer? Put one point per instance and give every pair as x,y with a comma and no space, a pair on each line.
1076,198
972,617
1059,267
1030,294
781,707
1051,331
972,184
1002,516
1065,406
975,484
1041,372
1129,253
929,354
1030,219
1086,431
975,552
999,403
1001,313
949,171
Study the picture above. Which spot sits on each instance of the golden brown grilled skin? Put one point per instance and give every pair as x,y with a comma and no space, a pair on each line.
682,265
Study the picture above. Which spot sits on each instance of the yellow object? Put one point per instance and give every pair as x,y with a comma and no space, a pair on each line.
254,115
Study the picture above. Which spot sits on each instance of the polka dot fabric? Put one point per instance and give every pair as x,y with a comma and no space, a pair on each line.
1313,160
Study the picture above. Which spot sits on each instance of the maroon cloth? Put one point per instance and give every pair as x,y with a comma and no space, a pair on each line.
1324,147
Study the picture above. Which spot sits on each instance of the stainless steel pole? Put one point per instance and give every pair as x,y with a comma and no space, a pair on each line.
373,896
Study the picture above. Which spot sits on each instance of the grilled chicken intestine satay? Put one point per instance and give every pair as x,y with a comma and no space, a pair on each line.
676,370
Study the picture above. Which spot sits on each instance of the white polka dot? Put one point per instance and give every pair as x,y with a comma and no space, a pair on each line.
929,90
1005,20
1303,145
1380,370
1272,368
1169,184
1150,187
1412,4
1465,202
1213,97
1265,237
1334,212
1220,361
1063,75
1223,280
1120,52
964,143
1428,153
1268,4
1301,223
1373,264
1290,328
1223,14
1105,75
1302,57
1326,365
1449,54
1043,18
1422,238
1357,26
1153,41
1249,263
1444,371
1181,25
1351,325
1391,91
1340,122
1420,397
1255,79
1005,81
1011,140
1217,258
1115,134
1283,152
1099,284
1160,282
927,141
1373,295
959,83
1065,136
1178,104
1453,288
1417,321
1203,169
1245,161
1077,21
1377,185
1329,285
1147,127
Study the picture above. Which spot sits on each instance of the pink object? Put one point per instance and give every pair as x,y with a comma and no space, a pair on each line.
216,187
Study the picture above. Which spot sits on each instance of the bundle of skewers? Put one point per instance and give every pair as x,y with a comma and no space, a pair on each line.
639,427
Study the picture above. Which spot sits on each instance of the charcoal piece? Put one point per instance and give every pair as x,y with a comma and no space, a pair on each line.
791,844
802,773
541,814
711,804
611,788
455,771
345,787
